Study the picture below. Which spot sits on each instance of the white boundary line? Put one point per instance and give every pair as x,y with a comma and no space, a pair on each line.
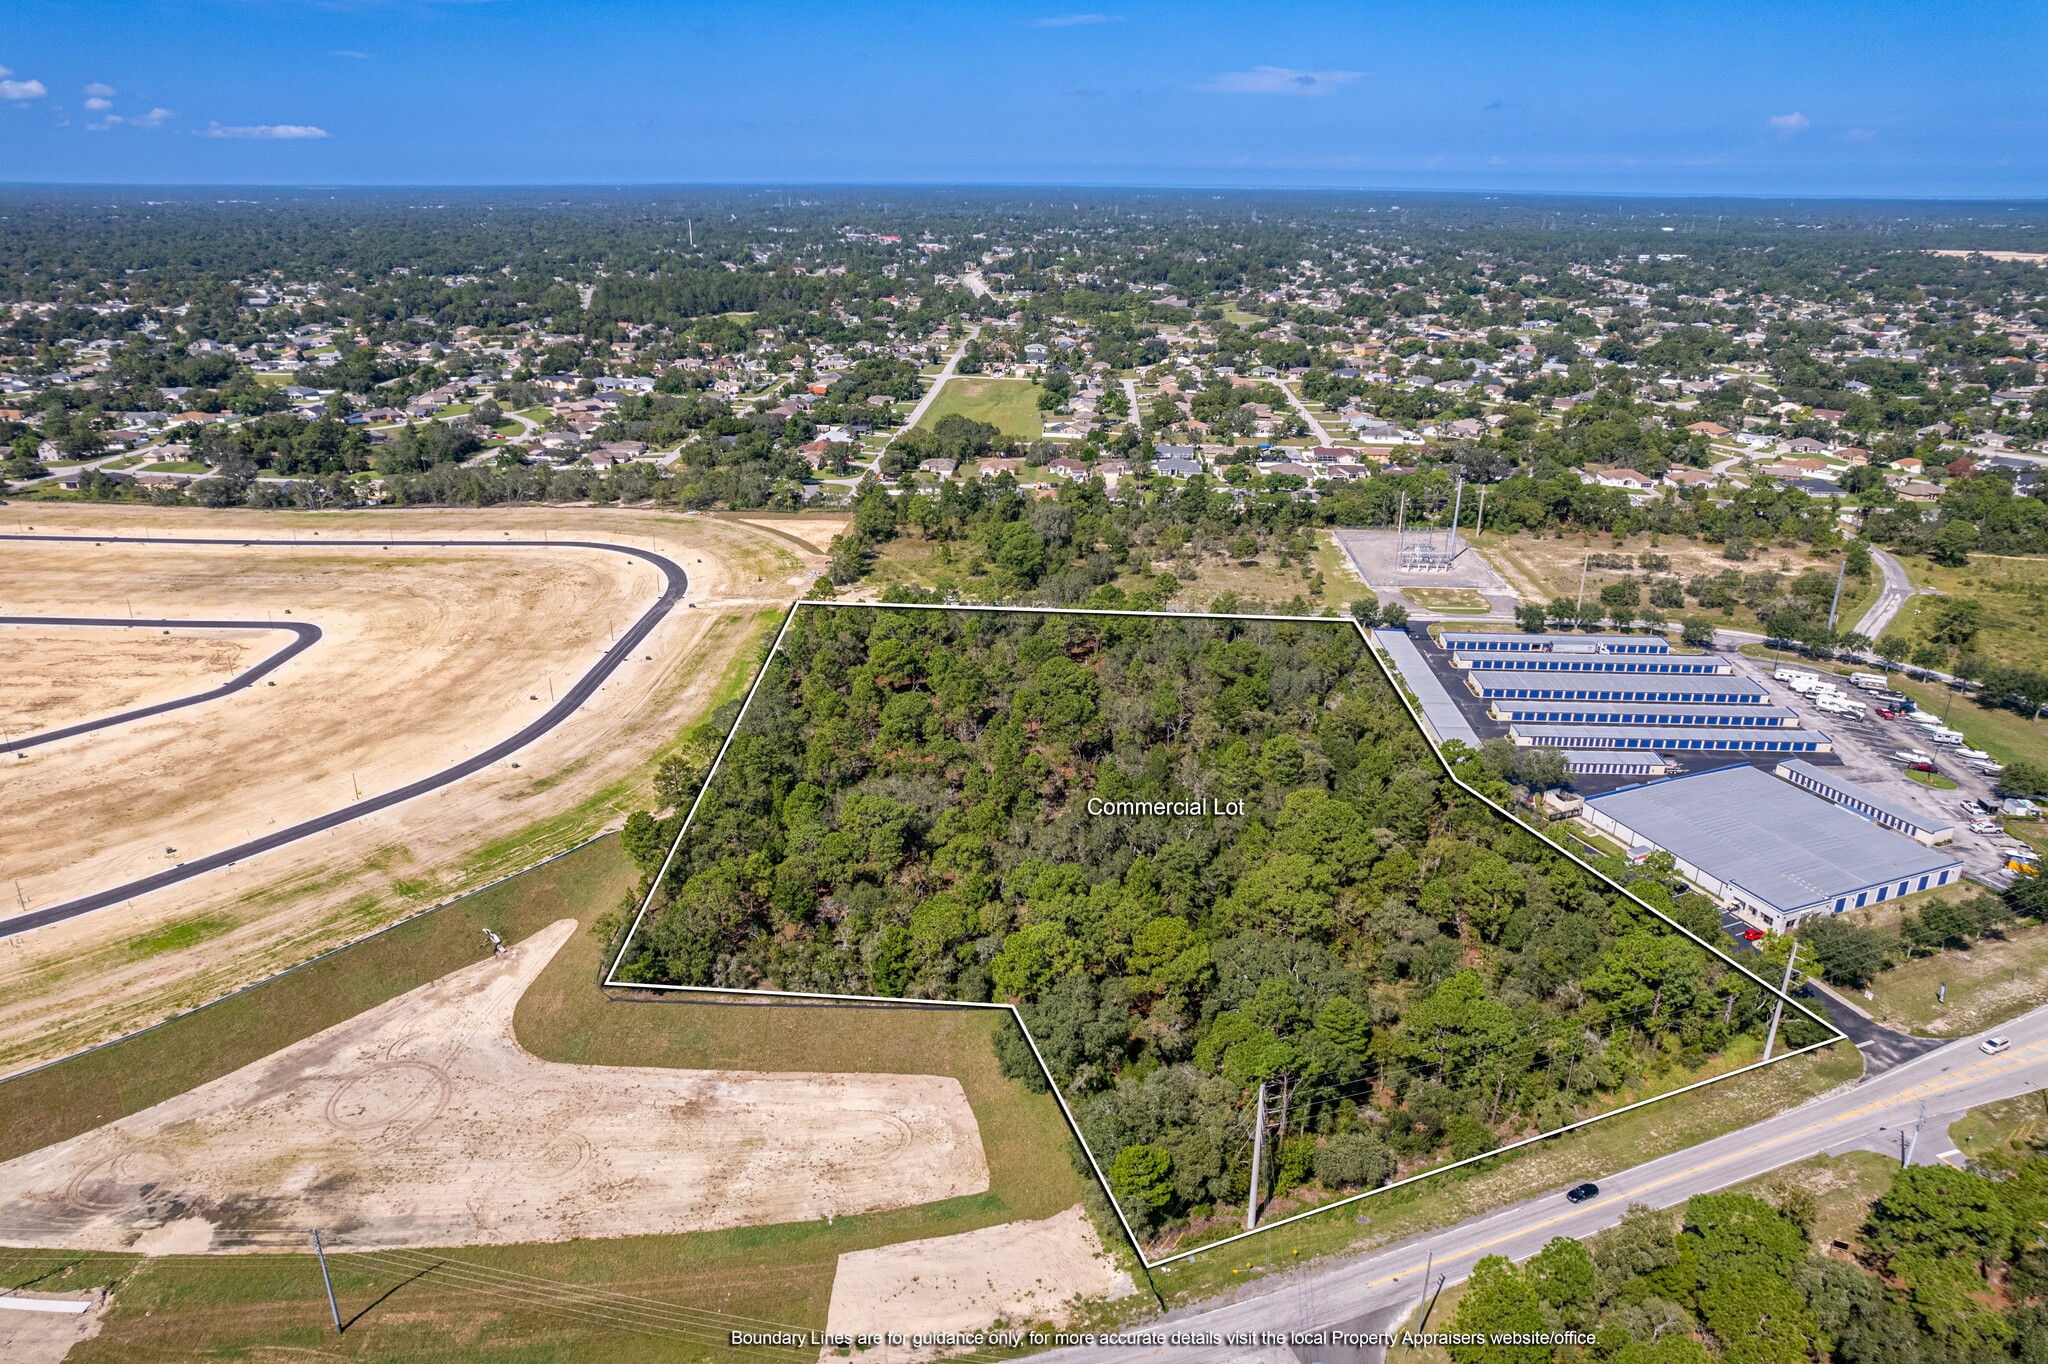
1394,681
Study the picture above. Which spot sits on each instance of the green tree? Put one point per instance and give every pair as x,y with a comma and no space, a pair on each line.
1141,1177
1498,1301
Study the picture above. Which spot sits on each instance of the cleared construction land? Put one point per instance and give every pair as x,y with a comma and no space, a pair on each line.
58,675
623,1296
423,1122
427,656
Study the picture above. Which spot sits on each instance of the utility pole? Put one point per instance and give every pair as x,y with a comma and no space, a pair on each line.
1913,1143
1480,524
1457,506
1783,990
1251,1202
1838,592
1583,565
1422,1307
322,1254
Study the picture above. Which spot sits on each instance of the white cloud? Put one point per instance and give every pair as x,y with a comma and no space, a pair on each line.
1278,80
274,132
98,91
96,103
23,89
153,119
1789,123
1074,20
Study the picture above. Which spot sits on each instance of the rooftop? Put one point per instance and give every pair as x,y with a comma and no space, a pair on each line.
1781,845
1836,789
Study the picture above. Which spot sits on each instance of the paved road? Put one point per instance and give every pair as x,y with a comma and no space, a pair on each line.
939,382
1890,601
676,583
1882,1047
1867,1116
1315,427
305,636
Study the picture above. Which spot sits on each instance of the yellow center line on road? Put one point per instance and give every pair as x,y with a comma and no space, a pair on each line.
2016,1059
1980,1071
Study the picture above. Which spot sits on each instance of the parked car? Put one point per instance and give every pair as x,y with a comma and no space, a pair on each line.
1985,826
1921,767
1752,935
1887,715
1991,1046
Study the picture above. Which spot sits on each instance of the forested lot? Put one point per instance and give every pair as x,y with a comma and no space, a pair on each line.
1950,1267
1416,979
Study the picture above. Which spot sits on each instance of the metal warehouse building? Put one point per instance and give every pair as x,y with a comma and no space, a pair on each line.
1713,691
1485,642
1594,663
1768,849
1879,811
1642,713
1672,741
1613,762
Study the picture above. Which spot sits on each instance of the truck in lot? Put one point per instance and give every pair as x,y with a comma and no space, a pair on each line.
1867,681
1838,705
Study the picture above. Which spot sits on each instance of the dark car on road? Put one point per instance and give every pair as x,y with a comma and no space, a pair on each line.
1582,1192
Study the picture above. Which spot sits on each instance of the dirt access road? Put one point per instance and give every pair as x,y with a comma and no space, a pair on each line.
426,657
423,1122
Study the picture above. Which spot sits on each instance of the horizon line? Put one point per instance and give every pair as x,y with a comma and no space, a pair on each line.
2038,198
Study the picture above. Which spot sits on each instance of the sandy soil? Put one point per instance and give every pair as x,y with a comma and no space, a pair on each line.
1019,1272
815,530
422,1122
52,676
426,657
423,660
2037,257
46,1337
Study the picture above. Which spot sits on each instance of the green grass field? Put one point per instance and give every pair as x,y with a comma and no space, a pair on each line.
634,1298
2013,591
1989,982
2001,733
1451,599
1009,405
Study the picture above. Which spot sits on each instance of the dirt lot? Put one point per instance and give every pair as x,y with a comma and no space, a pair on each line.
1014,1273
61,675
423,1122
814,529
1541,568
428,655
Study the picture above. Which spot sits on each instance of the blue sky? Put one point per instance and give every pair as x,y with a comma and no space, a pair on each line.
1939,98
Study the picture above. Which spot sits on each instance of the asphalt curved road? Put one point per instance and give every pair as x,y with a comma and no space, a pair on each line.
676,584
307,635
1897,589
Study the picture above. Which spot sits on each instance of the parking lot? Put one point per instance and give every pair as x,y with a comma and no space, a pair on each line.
1864,748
